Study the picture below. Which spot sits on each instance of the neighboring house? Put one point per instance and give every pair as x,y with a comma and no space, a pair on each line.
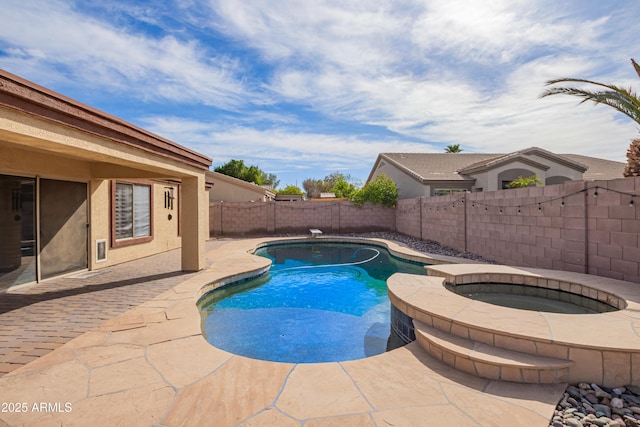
327,195
229,189
81,189
433,174
289,198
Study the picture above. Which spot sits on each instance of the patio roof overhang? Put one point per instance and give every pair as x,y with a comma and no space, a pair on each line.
40,120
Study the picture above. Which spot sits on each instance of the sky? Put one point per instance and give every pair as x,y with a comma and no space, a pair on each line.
304,88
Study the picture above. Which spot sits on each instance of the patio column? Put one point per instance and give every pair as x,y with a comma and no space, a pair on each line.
195,223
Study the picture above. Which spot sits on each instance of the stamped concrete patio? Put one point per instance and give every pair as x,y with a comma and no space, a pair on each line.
150,366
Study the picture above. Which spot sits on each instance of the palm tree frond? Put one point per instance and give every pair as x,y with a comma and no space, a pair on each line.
453,148
624,100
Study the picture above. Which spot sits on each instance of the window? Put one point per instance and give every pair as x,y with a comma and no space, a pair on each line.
447,191
131,207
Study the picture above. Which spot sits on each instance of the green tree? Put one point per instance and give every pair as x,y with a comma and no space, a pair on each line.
313,187
453,148
624,100
521,182
337,182
253,174
234,168
382,190
237,169
270,180
343,188
290,189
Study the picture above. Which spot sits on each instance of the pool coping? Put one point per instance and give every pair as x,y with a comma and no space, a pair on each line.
151,366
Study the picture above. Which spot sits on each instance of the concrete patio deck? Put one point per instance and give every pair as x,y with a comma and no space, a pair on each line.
150,366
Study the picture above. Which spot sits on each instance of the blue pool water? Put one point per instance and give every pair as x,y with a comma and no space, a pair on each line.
319,302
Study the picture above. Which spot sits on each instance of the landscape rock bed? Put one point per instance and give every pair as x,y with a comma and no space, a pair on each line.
587,405
425,246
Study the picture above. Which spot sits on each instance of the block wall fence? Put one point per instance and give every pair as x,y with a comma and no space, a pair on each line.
265,218
582,226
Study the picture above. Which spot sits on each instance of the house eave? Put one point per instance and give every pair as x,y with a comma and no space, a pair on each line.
493,165
27,97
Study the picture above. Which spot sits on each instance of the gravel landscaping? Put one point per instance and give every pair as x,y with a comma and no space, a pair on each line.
426,246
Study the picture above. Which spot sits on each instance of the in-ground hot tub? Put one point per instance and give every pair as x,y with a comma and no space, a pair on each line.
534,298
523,345
536,289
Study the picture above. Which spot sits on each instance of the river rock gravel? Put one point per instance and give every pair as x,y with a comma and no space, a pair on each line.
425,246
591,405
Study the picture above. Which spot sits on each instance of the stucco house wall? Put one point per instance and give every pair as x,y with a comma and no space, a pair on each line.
230,189
165,224
492,181
408,187
50,140
557,170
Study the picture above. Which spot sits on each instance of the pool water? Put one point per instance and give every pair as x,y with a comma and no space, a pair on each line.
321,302
531,298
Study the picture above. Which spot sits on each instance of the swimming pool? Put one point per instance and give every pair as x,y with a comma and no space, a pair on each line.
319,302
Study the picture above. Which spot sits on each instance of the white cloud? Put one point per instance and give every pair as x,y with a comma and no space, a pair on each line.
277,148
443,72
93,52
498,31
385,71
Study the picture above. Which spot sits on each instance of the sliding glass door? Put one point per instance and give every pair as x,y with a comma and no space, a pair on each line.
17,230
43,229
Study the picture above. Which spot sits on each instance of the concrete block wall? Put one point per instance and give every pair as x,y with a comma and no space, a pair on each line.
613,235
238,218
445,220
260,218
537,227
408,216
299,217
566,227
369,217
441,219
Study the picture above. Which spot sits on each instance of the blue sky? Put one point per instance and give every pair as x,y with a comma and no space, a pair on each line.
306,88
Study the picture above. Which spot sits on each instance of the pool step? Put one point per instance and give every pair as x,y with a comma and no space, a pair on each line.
490,362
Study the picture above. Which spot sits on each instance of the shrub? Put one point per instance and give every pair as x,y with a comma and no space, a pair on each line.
290,189
521,182
382,190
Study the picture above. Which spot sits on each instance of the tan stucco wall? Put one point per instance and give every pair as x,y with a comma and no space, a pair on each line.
16,160
165,231
227,192
103,156
488,180
408,187
31,146
19,162
195,222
